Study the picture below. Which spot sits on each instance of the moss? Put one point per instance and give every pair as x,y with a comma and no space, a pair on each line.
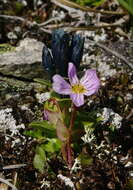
6,48
9,12
18,7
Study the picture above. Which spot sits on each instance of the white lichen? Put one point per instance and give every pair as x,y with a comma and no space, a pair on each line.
12,36
101,37
60,14
76,166
67,181
42,97
45,184
131,174
129,164
89,136
7,122
108,115
105,69
129,96
16,141
24,3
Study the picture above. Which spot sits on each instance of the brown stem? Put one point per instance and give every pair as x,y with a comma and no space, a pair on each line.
69,149
74,109
69,154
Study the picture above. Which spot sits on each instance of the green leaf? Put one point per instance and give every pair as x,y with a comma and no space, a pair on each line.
89,118
42,124
128,5
39,161
130,2
89,2
63,99
88,124
129,185
35,134
55,95
98,3
52,105
53,145
43,82
53,111
85,159
47,129
112,128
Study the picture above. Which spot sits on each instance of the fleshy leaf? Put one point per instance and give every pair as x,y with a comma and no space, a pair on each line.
38,134
39,161
129,185
53,145
52,111
53,117
44,128
85,159
43,82
62,131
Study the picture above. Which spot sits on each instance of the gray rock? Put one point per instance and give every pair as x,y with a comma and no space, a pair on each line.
24,61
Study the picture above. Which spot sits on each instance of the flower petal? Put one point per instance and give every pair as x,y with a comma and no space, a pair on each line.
90,81
77,99
72,74
60,85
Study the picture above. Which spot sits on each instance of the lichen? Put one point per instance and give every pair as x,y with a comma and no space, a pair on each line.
7,122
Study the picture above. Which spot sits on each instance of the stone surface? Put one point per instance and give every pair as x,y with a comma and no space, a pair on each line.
17,90
24,61
21,98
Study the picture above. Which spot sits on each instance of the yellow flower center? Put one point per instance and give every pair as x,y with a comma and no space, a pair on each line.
78,88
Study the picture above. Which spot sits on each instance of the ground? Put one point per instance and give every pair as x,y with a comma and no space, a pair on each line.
104,158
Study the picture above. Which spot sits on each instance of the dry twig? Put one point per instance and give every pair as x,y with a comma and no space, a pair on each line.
130,65
67,27
16,166
8,183
64,3
22,20
43,27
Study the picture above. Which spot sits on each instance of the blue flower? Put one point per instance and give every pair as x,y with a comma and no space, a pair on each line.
64,49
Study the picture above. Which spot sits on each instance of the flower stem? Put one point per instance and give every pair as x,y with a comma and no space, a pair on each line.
69,149
69,154
73,115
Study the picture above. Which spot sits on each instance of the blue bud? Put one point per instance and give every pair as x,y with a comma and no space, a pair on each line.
47,61
64,49
76,50
60,51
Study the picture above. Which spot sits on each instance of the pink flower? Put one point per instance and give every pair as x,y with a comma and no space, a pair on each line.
87,85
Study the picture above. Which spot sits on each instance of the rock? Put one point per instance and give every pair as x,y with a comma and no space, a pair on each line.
24,61
20,96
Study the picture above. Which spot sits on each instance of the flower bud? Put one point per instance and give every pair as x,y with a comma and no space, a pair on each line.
60,51
76,50
47,61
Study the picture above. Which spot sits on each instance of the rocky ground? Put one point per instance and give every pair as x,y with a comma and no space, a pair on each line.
21,102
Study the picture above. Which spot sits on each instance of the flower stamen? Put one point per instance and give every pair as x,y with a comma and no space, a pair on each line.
78,88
